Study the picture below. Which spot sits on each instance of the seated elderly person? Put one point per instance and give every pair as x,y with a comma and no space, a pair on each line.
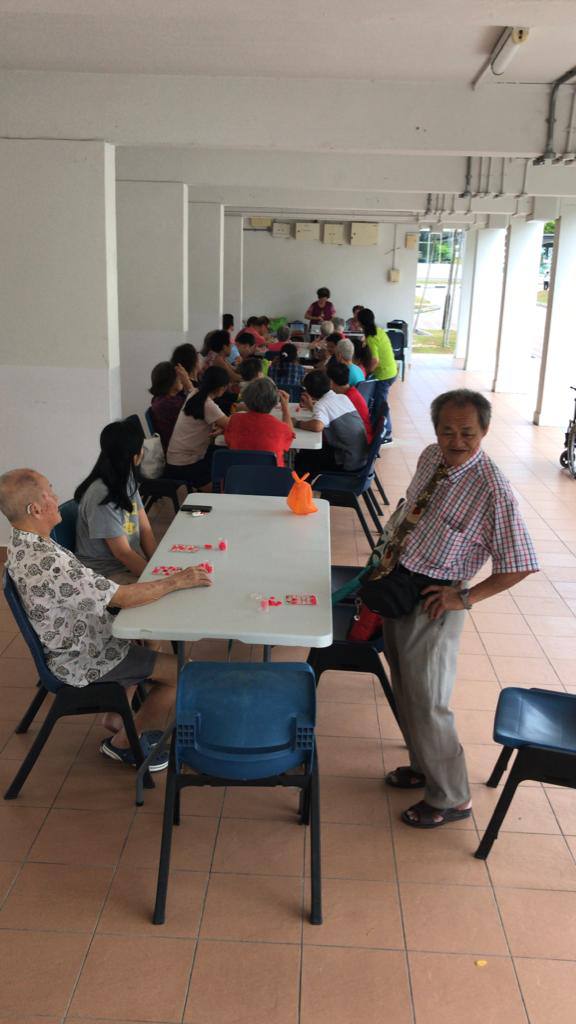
459,513
344,439
70,608
345,353
257,430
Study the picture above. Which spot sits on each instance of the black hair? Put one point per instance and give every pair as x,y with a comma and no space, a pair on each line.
206,343
316,383
186,355
227,321
263,321
339,373
355,309
162,379
366,319
218,341
245,338
252,321
289,354
119,443
250,368
462,397
362,354
323,293
213,378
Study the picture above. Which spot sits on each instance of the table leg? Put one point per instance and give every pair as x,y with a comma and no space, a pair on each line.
266,653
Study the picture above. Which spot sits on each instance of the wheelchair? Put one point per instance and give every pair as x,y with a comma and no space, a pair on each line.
568,456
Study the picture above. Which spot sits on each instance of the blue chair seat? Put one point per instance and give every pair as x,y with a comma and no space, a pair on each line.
536,718
273,481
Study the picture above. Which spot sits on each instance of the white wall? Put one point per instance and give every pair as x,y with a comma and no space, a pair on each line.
281,275
206,266
59,379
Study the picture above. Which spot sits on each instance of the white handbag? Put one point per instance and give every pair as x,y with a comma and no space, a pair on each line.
153,460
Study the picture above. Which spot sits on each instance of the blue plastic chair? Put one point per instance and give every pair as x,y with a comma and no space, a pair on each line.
275,481
149,417
343,489
541,726
68,700
224,458
64,533
244,724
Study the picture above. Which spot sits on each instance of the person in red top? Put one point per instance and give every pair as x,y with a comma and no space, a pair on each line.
339,376
256,430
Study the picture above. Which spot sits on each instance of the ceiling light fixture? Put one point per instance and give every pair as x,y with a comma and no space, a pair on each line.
503,53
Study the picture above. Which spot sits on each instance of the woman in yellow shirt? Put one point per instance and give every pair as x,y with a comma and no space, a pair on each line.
383,365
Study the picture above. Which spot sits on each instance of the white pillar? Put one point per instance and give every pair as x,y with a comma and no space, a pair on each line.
206,266
517,336
152,255
59,380
234,267
463,328
555,401
485,303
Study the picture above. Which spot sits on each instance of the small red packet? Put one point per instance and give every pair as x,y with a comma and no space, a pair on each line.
301,599
185,547
166,570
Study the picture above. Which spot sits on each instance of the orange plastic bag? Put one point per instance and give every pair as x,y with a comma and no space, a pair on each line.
300,498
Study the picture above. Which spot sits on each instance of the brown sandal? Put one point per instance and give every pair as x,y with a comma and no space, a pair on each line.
426,815
405,778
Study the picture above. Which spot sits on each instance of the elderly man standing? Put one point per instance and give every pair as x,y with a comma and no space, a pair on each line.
459,513
70,608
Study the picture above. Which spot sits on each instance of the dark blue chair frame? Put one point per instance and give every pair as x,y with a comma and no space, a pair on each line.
399,341
309,808
554,765
68,700
224,458
371,392
274,481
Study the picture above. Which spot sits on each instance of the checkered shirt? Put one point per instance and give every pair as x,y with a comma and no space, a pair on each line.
472,516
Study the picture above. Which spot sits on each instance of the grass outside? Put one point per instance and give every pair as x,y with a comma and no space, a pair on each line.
432,342
542,298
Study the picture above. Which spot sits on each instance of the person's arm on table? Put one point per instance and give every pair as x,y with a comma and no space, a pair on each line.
133,595
284,406
306,402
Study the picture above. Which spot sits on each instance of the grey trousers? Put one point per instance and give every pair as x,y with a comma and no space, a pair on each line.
422,657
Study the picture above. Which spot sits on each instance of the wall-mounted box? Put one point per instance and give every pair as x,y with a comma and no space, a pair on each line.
307,231
261,223
333,234
363,234
280,230
411,240
393,275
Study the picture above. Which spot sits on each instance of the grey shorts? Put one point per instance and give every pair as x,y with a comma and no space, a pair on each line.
137,666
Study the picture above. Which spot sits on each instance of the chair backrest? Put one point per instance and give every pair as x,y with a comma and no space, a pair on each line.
294,391
64,533
223,459
149,417
398,341
367,389
29,633
274,481
241,720
367,471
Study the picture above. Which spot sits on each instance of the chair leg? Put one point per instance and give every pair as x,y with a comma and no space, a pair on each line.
369,502
304,809
177,806
499,813
363,522
134,742
33,710
315,852
33,754
375,502
381,490
166,847
500,766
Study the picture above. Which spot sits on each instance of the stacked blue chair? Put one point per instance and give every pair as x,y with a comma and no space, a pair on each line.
541,726
244,724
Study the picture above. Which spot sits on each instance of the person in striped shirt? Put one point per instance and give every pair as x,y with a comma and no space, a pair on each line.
470,516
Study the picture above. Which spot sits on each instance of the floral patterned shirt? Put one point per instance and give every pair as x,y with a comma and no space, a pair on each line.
67,605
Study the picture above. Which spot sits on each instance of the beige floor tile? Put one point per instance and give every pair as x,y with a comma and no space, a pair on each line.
539,923
56,897
475,726
63,745
453,989
475,695
82,837
544,605
512,645
551,625
559,647
474,666
497,623
192,843
356,851
352,757
39,971
42,785
353,801
19,827
530,810
563,803
253,908
8,872
532,861
351,720
18,672
357,914
260,847
130,903
277,804
341,986
349,687
452,919
143,979
548,987
389,729
255,981
438,856
520,671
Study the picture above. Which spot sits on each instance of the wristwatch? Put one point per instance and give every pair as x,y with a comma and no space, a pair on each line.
464,596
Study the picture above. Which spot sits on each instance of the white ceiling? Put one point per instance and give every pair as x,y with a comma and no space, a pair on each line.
407,40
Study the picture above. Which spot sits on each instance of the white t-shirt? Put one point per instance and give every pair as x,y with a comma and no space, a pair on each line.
331,406
343,430
191,437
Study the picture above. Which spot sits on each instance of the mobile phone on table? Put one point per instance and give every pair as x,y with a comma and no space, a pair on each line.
196,510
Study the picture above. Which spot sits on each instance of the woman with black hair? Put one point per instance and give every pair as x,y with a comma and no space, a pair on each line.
286,371
383,362
189,455
113,532
170,386
322,309
218,354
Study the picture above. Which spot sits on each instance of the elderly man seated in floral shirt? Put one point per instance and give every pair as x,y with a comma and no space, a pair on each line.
71,609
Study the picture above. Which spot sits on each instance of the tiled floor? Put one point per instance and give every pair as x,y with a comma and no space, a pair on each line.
416,930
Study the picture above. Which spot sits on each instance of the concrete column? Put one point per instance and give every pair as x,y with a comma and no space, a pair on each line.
234,267
555,401
517,335
59,379
152,255
463,328
206,264
485,302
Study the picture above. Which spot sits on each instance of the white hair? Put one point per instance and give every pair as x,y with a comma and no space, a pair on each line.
18,489
345,348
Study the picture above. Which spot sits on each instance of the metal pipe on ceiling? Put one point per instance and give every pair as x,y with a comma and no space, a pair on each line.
549,153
